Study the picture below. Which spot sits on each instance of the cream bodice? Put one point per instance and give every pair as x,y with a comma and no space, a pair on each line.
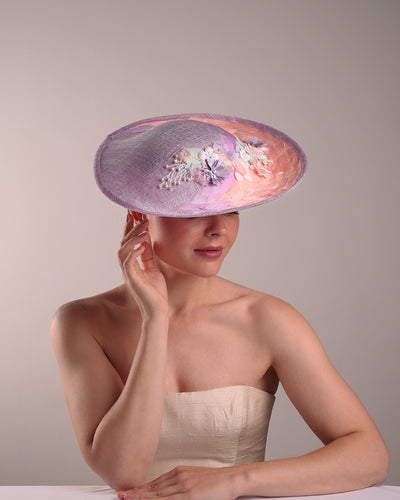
213,428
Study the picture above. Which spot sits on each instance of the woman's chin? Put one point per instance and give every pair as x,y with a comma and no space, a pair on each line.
196,271
201,268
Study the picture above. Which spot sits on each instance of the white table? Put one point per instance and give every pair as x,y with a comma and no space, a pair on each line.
104,493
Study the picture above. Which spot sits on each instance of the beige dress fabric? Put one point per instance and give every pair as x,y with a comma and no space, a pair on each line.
213,428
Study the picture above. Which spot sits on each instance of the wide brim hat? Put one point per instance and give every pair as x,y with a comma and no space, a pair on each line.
194,165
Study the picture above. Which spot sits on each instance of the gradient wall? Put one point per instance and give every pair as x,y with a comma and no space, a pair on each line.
324,71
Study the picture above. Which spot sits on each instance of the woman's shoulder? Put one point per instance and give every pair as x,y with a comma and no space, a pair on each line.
87,312
272,315
281,326
258,302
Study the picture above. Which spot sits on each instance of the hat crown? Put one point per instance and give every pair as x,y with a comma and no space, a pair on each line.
158,145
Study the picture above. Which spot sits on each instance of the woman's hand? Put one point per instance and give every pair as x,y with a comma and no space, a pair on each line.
183,483
145,281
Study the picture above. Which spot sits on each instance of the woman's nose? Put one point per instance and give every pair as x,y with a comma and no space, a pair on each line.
215,225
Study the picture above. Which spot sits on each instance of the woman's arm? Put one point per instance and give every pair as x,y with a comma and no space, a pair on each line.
117,426
354,455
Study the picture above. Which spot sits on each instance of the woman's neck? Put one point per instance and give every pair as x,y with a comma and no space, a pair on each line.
187,292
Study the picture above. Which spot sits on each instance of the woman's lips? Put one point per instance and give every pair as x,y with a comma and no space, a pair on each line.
209,252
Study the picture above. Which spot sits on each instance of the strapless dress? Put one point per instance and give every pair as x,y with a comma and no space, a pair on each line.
213,428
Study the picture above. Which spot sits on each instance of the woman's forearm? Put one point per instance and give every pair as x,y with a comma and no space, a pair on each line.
126,439
351,462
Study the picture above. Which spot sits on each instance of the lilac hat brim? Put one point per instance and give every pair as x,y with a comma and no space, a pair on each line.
193,165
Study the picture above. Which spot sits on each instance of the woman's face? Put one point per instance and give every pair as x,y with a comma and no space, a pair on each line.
194,245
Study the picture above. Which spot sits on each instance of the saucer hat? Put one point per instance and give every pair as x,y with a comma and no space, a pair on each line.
193,165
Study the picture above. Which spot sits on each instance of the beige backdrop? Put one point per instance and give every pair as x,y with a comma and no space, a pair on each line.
324,71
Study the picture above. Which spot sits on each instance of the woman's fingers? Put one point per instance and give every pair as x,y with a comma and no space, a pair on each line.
131,249
135,236
147,256
153,489
134,230
164,486
129,224
131,243
145,281
137,495
138,235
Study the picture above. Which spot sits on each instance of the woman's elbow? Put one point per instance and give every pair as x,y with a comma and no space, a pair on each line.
383,469
115,474
379,464
120,480
122,484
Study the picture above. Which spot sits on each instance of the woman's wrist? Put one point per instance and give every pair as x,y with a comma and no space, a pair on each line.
241,480
158,319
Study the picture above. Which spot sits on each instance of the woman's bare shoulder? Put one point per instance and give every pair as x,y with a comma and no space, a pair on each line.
273,308
282,326
236,291
259,302
88,311
271,315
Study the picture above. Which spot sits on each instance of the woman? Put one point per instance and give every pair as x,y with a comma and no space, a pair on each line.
170,377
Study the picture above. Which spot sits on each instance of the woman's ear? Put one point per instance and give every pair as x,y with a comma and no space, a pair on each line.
133,219
137,216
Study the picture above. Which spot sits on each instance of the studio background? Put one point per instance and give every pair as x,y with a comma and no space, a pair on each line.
326,72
